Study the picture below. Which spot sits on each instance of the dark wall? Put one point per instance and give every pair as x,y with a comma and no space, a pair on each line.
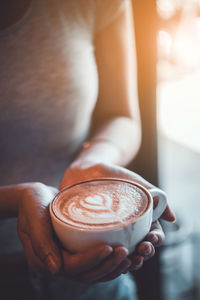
145,19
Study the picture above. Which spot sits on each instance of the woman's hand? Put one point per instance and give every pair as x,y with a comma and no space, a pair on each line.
43,253
88,170
98,264
80,171
35,229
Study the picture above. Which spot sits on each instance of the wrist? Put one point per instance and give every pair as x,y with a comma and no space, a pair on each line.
16,195
97,151
10,197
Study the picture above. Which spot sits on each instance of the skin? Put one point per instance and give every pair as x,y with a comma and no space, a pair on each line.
109,151
42,250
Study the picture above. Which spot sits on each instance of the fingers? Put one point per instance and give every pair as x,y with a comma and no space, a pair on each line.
121,269
34,220
44,246
100,264
144,252
32,260
75,264
109,266
146,249
136,262
168,215
156,235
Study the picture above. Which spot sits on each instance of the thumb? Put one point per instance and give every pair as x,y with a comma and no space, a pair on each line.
168,215
44,246
40,230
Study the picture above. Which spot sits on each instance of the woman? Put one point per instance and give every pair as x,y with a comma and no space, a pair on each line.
67,76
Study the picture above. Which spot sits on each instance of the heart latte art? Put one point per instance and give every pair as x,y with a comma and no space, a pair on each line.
98,204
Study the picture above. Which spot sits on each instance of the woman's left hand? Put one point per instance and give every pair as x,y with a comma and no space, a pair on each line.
78,172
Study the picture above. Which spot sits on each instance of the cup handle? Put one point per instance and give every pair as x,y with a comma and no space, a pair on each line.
162,202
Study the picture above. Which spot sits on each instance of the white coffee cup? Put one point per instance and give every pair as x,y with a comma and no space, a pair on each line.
78,239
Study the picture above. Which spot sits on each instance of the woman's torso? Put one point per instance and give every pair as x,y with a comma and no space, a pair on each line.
48,90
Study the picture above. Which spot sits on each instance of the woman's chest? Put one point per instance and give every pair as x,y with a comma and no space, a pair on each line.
48,73
49,81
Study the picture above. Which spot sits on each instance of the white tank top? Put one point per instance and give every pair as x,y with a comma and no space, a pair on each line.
48,86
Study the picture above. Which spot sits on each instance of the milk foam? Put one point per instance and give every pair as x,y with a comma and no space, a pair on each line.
101,204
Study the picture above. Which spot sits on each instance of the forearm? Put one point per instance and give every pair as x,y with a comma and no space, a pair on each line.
9,200
117,142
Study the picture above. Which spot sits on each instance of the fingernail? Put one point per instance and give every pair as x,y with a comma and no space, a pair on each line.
51,264
125,250
106,252
121,251
145,249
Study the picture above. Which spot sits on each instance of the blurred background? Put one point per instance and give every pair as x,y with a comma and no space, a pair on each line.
178,121
168,55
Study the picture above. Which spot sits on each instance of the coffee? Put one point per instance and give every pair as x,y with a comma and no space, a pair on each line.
101,205
111,211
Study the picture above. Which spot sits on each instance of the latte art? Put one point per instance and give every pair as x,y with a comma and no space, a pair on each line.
100,204
105,211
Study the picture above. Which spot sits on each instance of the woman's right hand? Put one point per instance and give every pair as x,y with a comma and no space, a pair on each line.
43,253
34,227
